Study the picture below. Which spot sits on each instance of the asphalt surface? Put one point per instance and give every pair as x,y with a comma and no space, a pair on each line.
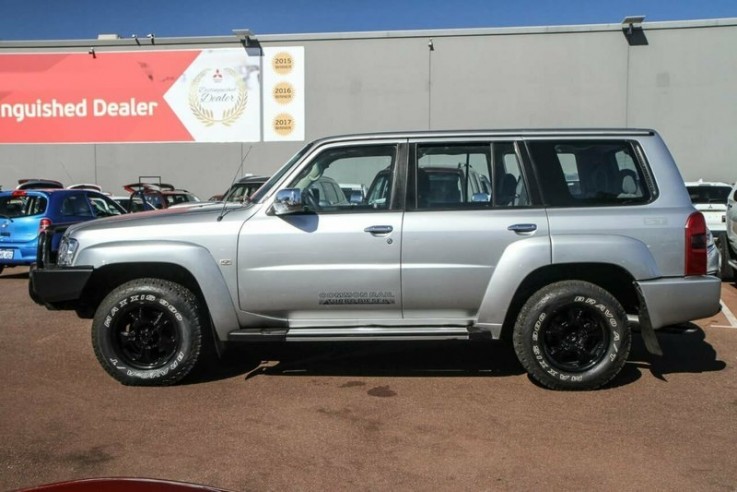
421,416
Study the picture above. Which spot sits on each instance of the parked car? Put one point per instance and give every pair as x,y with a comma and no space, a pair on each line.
710,198
562,271
241,190
153,196
25,213
731,227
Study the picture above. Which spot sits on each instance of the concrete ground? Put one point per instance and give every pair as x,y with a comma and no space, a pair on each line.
409,416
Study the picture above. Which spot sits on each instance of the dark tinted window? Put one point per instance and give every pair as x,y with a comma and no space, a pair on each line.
75,206
709,194
22,206
589,173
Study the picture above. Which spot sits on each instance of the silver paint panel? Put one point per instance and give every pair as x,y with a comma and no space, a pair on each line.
672,301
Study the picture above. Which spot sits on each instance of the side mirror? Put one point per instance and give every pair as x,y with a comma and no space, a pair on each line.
288,201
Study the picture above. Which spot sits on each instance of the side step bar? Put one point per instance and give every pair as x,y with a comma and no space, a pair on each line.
348,334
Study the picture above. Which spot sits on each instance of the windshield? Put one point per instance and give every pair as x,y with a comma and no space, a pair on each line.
709,194
261,192
22,206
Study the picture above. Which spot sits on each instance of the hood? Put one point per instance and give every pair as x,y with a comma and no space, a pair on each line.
204,212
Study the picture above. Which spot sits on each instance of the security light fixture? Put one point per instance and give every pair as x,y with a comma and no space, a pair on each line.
135,38
91,51
152,37
631,22
632,30
245,36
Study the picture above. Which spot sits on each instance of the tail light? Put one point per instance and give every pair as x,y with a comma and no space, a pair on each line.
44,224
696,244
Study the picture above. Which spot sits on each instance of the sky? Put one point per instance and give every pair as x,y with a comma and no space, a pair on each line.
85,19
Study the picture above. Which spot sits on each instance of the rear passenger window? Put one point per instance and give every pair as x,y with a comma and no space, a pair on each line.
589,173
474,175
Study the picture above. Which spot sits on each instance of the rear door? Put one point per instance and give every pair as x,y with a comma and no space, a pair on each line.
454,231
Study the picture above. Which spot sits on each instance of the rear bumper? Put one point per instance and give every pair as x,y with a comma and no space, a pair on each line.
58,288
671,301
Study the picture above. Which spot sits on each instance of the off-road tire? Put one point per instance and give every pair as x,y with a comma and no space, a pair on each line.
148,332
572,335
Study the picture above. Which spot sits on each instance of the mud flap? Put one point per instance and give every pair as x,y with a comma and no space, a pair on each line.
646,327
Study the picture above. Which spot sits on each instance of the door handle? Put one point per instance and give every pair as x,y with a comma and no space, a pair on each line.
379,229
522,228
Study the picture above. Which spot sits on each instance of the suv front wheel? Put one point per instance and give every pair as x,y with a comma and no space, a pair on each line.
572,335
148,332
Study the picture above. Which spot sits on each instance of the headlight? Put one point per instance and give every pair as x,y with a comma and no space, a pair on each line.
67,248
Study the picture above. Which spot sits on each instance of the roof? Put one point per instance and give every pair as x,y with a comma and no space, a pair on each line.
584,132
138,44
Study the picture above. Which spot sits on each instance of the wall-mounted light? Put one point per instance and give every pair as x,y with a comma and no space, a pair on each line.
245,36
632,30
135,38
152,37
91,51
430,45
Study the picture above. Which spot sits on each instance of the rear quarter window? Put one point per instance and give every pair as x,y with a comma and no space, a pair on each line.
581,173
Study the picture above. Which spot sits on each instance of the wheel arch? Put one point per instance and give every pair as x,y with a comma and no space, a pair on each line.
214,298
612,278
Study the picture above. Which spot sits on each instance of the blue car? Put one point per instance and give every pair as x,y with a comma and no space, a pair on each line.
24,213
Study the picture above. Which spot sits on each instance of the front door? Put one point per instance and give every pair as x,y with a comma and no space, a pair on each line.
339,261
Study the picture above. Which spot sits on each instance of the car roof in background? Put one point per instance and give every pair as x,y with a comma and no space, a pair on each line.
253,179
707,183
38,184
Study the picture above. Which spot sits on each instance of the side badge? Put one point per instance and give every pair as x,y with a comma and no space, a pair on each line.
226,262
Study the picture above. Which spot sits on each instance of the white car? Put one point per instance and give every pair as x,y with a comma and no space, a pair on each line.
710,198
730,257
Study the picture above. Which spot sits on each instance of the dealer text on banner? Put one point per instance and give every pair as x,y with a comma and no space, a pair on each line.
153,96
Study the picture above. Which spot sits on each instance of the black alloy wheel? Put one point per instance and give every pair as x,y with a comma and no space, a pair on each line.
145,336
575,338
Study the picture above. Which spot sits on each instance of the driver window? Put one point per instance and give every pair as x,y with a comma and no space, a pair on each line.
348,179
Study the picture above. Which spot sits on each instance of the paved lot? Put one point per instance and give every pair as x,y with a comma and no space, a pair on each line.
426,416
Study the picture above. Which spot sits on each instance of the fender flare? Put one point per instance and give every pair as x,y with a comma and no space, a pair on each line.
198,261
522,258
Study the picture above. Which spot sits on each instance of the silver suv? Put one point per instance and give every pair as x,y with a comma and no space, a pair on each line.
575,235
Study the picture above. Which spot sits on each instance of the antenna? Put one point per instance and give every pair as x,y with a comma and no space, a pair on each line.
237,172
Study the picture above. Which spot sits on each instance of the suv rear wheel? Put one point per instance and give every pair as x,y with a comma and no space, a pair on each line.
148,332
572,335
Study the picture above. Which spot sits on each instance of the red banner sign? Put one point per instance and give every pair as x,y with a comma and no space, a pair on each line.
122,97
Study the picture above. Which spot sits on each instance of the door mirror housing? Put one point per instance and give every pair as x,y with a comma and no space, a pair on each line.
288,201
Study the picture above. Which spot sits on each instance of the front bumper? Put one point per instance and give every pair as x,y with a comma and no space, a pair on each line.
58,288
671,301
